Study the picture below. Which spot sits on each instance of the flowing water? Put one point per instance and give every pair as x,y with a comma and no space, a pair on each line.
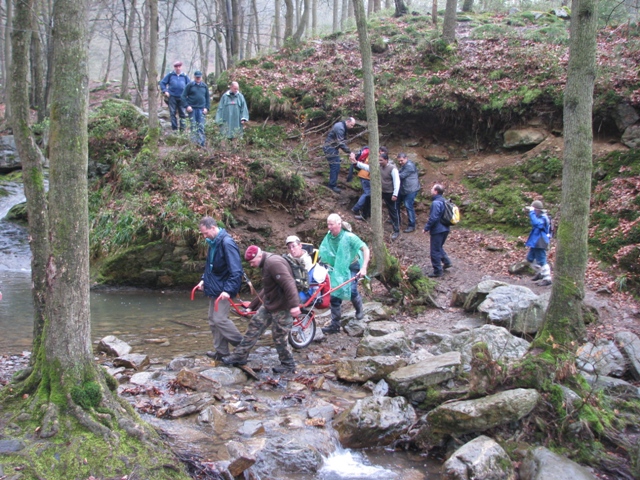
163,325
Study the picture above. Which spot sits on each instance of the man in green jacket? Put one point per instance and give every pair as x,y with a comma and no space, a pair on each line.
196,98
232,112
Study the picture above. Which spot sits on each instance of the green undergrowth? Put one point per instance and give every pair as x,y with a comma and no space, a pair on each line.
498,199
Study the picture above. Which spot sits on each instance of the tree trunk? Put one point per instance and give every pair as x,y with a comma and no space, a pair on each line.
128,48
564,322
434,13
314,18
467,6
344,14
303,23
107,68
37,69
401,8
7,54
336,16
143,42
168,20
236,6
377,5
449,24
382,257
256,16
154,125
276,22
199,38
288,19
32,163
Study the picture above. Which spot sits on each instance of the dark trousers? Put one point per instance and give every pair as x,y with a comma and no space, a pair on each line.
175,107
392,206
356,299
438,255
197,125
334,170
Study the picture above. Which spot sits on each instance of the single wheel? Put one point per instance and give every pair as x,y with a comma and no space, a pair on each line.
303,331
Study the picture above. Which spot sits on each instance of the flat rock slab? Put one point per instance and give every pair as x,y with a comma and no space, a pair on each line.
11,446
543,464
431,371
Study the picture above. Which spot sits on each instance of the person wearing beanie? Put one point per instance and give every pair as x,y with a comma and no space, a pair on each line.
280,303
172,86
221,279
538,242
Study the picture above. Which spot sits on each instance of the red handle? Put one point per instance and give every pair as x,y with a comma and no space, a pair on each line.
193,292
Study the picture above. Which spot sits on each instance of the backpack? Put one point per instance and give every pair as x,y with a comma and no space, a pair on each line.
550,228
363,154
451,214
300,274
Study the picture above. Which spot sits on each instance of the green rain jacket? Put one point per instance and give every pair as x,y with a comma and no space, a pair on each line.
232,110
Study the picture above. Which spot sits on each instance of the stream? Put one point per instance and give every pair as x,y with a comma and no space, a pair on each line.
165,325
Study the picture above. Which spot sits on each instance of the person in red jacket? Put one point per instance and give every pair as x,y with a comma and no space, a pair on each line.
280,303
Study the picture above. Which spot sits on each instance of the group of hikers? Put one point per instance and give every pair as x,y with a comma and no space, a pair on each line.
190,98
278,301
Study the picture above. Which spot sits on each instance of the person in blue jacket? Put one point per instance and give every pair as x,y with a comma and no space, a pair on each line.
538,242
221,280
196,98
438,231
172,86
336,141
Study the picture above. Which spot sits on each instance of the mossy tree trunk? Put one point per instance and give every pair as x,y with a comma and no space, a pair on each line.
449,23
564,319
154,124
384,262
83,428
32,161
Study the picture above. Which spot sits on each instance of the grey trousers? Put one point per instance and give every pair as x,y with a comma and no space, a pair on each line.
223,330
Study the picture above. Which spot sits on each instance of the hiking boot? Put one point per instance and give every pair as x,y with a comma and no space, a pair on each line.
284,369
447,266
537,276
216,355
359,217
409,229
234,361
335,189
395,235
434,274
359,315
330,330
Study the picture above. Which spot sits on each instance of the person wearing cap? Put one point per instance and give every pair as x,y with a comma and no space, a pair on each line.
172,86
294,246
336,141
438,231
221,280
280,303
232,112
538,242
349,257
196,98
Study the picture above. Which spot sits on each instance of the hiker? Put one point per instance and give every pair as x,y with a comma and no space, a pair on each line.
232,112
409,188
280,303
360,207
172,86
390,180
438,231
196,98
538,242
349,257
335,142
221,279
294,246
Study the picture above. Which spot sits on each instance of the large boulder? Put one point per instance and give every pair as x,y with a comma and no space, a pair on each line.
502,345
362,369
625,115
469,416
112,345
374,421
602,358
479,293
421,375
480,459
629,344
631,136
515,308
543,464
9,160
395,343
523,137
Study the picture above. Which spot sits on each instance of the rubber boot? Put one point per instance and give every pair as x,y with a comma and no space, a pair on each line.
545,276
537,268
357,304
336,315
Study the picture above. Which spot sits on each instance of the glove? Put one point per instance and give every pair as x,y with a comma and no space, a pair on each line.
530,208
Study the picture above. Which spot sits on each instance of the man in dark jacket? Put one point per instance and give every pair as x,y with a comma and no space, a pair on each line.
196,98
172,86
409,188
438,231
335,142
221,280
280,303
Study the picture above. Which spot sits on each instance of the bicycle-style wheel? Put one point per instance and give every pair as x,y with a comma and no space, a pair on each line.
303,331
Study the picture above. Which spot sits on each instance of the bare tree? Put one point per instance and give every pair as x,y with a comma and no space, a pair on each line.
129,23
336,16
564,324
401,8
7,54
467,5
449,24
434,13
276,22
154,124
288,19
303,22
